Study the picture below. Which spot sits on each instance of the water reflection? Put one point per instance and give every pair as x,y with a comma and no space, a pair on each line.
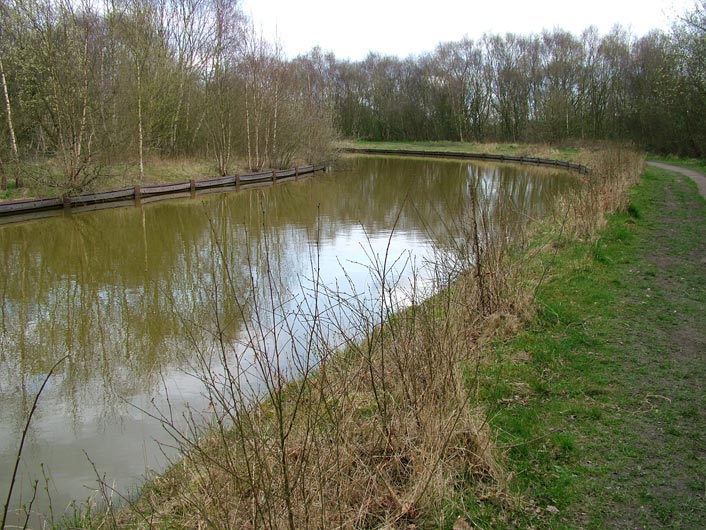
129,294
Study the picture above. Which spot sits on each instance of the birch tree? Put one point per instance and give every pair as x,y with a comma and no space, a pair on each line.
222,87
194,29
261,69
140,28
10,129
57,62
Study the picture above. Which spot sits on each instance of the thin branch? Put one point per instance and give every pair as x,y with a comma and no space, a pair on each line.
22,440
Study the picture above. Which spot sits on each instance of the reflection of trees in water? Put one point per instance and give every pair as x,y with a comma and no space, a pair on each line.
109,287
436,193
97,287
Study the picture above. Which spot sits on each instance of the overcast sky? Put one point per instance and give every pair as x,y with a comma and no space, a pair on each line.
396,27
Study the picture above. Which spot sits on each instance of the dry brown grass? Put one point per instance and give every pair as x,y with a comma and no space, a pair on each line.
380,436
614,170
44,177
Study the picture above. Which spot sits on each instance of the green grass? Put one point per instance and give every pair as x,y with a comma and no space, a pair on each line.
600,403
690,163
10,192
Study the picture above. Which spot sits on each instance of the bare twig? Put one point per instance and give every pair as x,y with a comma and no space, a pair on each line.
22,440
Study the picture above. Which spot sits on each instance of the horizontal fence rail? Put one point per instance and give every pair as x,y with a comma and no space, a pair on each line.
471,156
25,209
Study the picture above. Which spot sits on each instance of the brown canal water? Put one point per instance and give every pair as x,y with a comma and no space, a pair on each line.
131,294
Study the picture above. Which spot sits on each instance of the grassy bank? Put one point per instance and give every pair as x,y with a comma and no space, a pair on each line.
45,179
398,424
566,153
600,403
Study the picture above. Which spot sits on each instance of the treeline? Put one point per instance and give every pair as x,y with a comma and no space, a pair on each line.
87,84
548,87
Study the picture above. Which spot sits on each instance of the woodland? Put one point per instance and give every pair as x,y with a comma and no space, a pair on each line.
88,86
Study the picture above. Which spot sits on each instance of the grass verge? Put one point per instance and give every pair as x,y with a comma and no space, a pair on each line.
599,405
44,178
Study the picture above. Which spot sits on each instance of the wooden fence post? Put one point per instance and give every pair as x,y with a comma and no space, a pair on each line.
274,176
138,195
67,202
192,187
237,183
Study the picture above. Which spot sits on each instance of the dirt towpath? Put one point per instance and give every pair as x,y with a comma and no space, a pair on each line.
615,370
699,178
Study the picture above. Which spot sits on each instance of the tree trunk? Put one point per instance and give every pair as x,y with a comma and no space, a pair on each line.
274,125
177,115
3,176
78,146
140,136
11,129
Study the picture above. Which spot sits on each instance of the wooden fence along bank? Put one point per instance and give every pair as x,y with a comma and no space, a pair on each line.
26,209
19,210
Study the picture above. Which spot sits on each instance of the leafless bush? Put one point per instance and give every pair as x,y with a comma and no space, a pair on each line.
335,408
605,190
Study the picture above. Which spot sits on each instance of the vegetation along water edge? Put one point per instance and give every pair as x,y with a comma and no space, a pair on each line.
496,403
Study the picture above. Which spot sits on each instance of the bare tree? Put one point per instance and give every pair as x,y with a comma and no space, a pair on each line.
57,58
10,128
261,68
192,28
221,84
4,15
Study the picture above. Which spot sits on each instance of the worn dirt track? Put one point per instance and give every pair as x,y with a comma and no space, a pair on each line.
697,177
663,484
